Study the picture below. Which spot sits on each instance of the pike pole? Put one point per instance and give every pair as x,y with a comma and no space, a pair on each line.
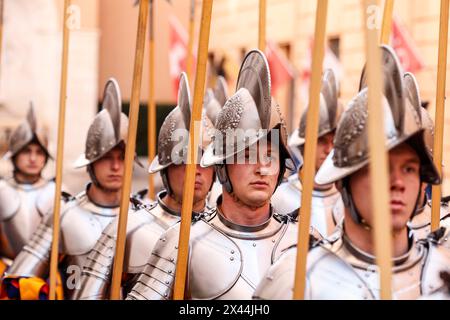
54,254
310,149
189,177
130,150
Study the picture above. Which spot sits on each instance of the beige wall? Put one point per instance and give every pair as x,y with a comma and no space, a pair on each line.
118,24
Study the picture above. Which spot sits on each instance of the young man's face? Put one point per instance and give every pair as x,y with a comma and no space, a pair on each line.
109,169
324,146
31,159
404,175
203,181
254,183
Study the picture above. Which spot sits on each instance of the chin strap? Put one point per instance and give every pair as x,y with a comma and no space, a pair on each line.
165,180
32,178
16,170
90,170
347,199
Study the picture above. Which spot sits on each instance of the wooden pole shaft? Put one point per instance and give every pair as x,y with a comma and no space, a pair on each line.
262,25
54,255
189,178
378,163
130,150
310,149
386,28
151,101
440,112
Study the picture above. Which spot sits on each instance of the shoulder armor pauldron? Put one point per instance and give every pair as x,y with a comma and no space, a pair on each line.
206,215
285,218
66,197
9,201
436,236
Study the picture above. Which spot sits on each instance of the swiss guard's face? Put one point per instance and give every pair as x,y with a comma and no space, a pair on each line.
203,181
31,159
404,180
255,180
109,169
324,146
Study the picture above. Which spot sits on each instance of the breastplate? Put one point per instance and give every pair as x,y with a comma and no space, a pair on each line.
342,271
22,207
237,256
82,224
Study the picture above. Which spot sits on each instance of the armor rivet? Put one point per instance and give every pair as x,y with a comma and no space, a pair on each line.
165,295
172,259
445,239
254,244
232,258
170,271
167,282
273,240
232,251
176,247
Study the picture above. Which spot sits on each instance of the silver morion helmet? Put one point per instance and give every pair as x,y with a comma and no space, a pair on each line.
402,124
28,131
328,110
109,128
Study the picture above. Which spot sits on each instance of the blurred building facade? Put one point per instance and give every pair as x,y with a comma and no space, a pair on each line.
105,43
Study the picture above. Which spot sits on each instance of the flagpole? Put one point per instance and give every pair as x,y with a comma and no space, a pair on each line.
54,255
440,112
310,150
262,25
386,28
189,178
378,161
151,111
190,59
130,150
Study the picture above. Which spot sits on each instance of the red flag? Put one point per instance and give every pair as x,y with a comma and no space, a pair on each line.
281,70
178,48
405,48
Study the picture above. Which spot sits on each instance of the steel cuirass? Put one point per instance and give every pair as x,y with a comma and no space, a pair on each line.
226,260
22,207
